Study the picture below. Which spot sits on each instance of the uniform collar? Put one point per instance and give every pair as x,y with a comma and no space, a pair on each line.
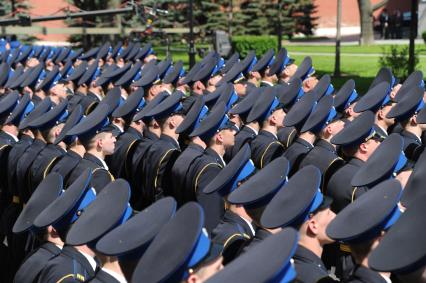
120,278
267,133
305,143
195,146
90,259
215,155
307,255
170,139
267,83
96,160
411,136
255,131
15,138
232,216
325,144
253,232
356,162
367,275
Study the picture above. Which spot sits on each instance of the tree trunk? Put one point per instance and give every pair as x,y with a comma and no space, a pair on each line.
366,17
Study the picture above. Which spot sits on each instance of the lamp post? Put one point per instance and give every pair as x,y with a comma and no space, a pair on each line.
191,51
338,38
413,34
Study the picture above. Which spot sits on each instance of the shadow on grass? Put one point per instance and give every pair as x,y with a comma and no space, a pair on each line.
361,83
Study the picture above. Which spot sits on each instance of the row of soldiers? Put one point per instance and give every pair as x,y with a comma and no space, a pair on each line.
118,167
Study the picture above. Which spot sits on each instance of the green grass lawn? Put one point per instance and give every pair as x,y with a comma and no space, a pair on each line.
360,68
378,49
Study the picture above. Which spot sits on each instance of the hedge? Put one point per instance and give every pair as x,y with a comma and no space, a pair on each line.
244,43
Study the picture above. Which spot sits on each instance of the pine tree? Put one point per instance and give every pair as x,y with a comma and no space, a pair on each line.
105,21
303,14
214,16
254,20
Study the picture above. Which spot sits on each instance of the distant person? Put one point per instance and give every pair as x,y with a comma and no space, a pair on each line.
396,31
384,24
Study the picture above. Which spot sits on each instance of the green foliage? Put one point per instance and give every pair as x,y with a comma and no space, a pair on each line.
243,44
89,41
253,18
214,16
260,17
397,60
424,36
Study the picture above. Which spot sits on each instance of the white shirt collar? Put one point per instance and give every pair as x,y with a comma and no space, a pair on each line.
250,225
103,163
98,96
119,128
254,130
387,279
13,136
120,278
382,128
59,246
274,134
268,83
90,259
221,158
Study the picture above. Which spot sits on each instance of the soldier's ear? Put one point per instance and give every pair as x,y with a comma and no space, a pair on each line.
219,137
413,120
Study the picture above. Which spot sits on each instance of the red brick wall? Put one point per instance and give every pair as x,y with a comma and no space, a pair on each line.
45,8
327,10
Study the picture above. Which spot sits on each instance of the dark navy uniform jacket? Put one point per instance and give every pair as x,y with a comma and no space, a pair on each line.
296,152
339,187
245,135
135,167
261,234
100,175
182,189
66,164
157,165
6,145
287,135
382,133
23,168
89,102
309,267
5,138
325,158
118,160
363,274
265,148
150,135
411,142
203,170
231,233
34,264
69,266
43,163
103,277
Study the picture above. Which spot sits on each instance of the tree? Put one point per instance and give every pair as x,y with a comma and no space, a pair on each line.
252,19
366,19
302,13
213,17
90,5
